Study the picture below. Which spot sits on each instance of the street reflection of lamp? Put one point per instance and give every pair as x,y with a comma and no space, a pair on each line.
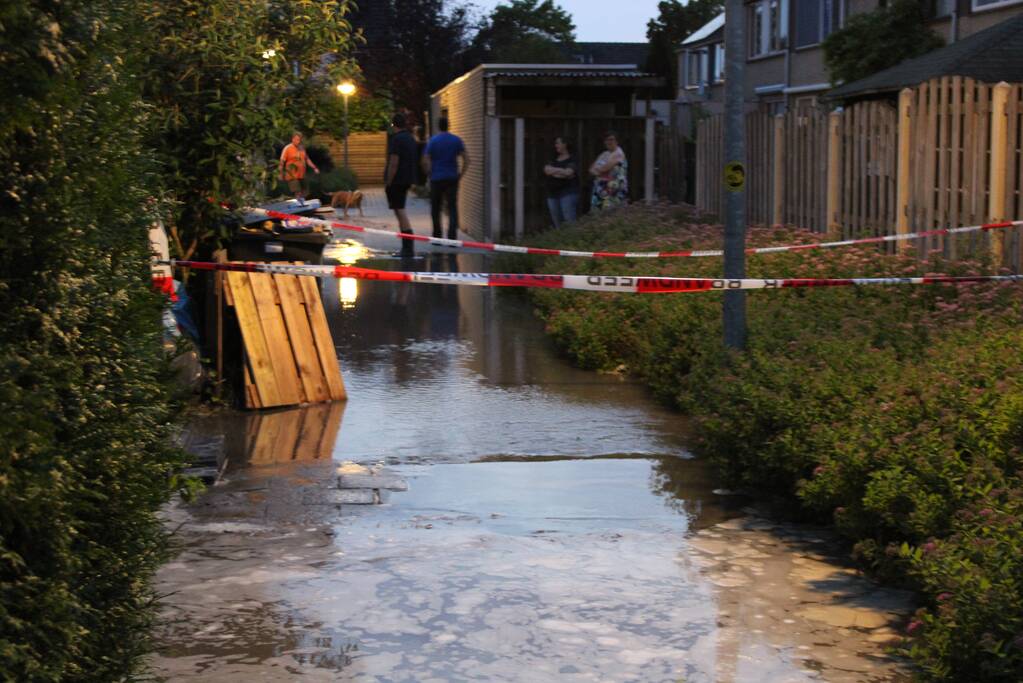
346,89
347,253
348,288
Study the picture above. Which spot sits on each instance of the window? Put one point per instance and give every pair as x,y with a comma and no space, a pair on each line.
695,67
816,20
768,27
718,70
988,4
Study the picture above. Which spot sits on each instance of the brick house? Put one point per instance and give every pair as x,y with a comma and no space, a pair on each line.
784,58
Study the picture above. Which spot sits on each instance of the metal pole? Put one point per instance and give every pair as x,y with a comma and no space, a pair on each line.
734,313
345,97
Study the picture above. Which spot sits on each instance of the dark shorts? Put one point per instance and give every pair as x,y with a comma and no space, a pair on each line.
396,196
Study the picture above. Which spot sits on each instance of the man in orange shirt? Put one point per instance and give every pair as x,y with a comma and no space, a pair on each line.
292,167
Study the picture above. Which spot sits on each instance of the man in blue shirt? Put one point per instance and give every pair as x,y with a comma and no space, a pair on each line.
441,162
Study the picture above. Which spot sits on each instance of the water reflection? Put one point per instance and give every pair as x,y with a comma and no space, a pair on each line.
347,252
256,439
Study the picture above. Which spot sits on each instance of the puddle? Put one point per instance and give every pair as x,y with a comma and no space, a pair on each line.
554,528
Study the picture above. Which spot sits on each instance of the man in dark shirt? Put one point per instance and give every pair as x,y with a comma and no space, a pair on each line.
400,173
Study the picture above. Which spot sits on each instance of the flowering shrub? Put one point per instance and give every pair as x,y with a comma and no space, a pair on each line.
894,412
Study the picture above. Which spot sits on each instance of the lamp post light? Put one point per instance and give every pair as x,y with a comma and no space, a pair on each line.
346,89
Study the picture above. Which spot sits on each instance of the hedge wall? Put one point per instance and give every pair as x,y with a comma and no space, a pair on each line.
84,461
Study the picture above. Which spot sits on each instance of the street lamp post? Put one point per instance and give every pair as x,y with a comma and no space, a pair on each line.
346,89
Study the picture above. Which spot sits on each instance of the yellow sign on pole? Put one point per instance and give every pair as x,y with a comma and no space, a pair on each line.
735,176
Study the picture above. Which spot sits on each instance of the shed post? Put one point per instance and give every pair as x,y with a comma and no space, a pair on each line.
999,169
493,161
777,201
520,178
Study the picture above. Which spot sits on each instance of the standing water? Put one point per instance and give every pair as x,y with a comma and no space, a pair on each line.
554,528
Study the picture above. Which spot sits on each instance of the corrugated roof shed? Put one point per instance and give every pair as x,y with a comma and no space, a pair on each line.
992,55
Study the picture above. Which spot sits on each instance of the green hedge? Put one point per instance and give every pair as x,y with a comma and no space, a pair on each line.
84,419
895,413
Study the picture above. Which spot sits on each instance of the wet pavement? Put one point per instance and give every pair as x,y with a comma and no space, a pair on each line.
554,527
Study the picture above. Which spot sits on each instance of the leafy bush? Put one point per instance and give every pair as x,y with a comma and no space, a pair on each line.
894,412
338,179
320,156
85,424
876,40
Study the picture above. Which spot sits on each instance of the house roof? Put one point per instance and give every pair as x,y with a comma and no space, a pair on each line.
992,55
707,30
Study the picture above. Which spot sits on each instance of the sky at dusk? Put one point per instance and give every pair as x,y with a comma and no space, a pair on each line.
619,21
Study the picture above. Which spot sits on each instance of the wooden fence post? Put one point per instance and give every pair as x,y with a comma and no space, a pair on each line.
777,206
648,162
902,187
834,226
999,168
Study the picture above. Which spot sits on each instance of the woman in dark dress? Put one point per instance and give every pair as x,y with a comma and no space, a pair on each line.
562,184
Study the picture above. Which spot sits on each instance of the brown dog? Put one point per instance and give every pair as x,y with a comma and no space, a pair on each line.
347,200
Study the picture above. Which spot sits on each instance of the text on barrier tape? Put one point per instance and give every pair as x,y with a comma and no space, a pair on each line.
625,284
514,249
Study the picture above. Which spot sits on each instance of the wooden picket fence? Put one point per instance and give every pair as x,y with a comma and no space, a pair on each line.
950,154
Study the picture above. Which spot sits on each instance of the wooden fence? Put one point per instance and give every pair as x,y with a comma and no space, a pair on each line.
367,154
950,154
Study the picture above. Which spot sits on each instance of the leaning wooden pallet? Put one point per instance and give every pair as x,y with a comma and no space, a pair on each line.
289,354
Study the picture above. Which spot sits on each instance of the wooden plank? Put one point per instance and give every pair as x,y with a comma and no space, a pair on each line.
981,168
955,163
863,194
325,349
251,395
997,175
969,128
871,177
256,347
1011,147
300,334
942,145
281,357
930,161
847,176
883,143
919,159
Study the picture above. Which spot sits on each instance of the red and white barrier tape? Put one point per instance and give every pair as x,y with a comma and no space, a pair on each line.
513,249
590,283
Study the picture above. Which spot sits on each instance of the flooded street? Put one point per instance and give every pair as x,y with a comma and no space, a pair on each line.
554,527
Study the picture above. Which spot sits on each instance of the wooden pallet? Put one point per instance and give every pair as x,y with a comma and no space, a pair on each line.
289,354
